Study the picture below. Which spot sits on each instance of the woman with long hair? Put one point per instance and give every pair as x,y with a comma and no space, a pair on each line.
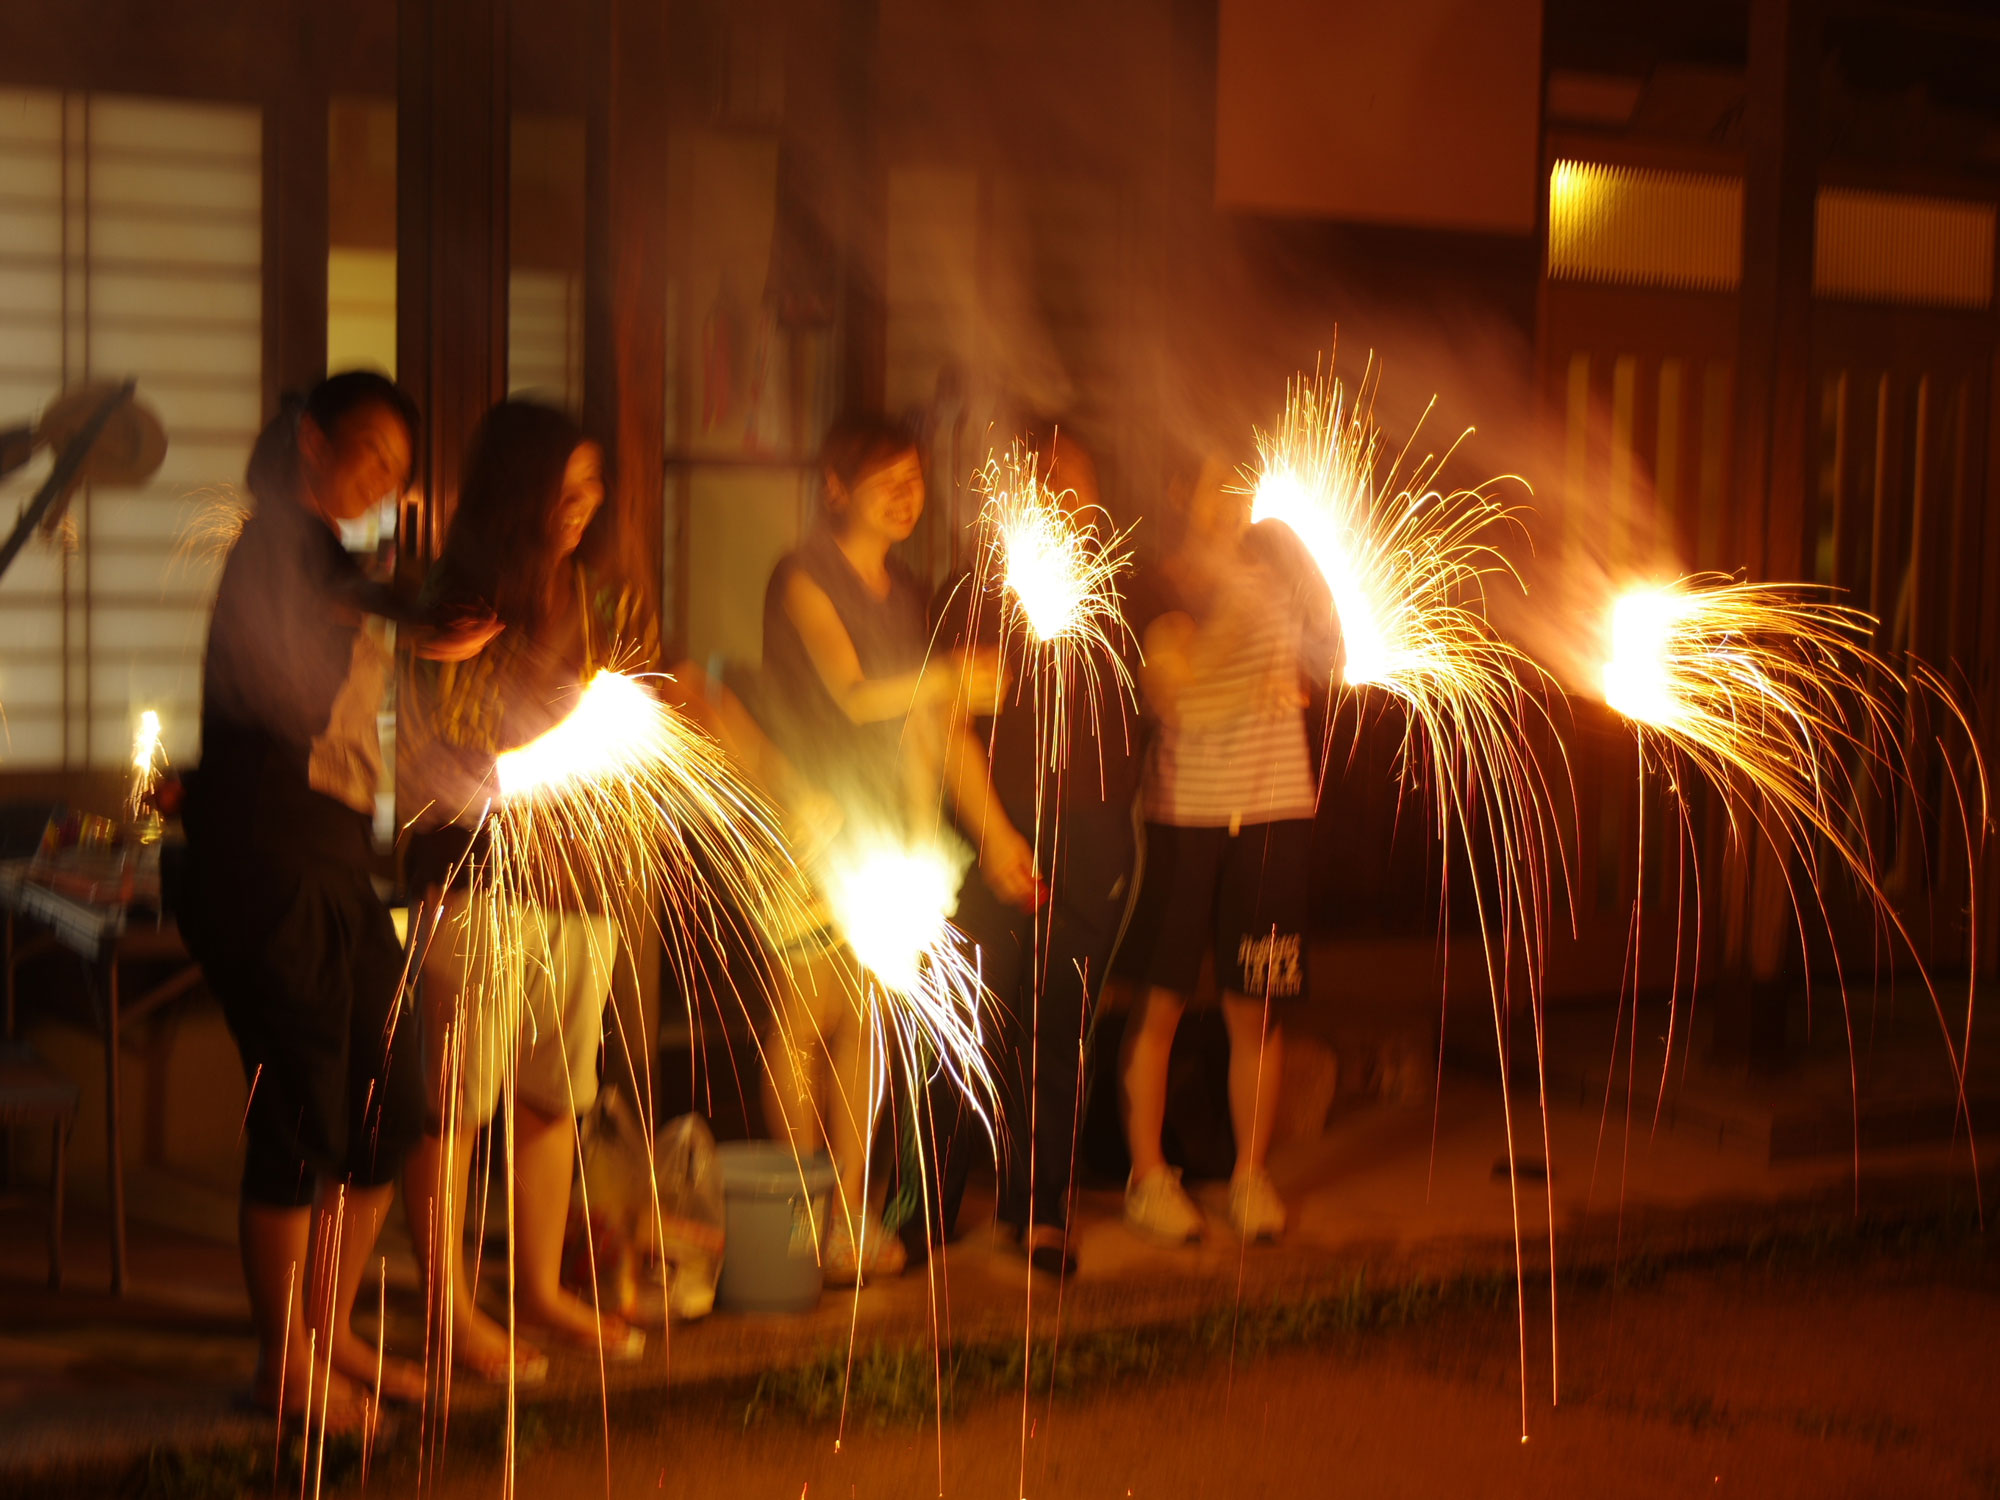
531,1016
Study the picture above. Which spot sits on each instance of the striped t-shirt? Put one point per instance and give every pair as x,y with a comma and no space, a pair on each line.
1235,751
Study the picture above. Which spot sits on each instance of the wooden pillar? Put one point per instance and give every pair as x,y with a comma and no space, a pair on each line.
625,383
864,229
1773,377
451,236
1774,358
625,273
295,218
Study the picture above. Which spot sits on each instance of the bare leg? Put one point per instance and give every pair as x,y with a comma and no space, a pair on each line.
1256,1057
435,1195
1149,1042
851,1110
346,1222
544,1163
795,1055
274,1246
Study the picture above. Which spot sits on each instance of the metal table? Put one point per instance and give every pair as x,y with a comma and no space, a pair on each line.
105,937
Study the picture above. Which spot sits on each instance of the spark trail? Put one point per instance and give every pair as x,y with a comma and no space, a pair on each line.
1770,694
1408,564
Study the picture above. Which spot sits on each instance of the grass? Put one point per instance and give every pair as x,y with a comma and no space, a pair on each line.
907,1383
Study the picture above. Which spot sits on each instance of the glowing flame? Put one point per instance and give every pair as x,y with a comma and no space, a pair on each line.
892,905
1323,518
1770,693
615,729
1057,562
147,758
1639,674
894,908
146,744
1407,564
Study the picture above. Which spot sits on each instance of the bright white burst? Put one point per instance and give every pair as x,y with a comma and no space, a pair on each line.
147,759
1055,563
892,905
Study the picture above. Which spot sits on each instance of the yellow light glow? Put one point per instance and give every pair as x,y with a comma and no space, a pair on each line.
894,906
1055,563
1319,523
615,726
1638,676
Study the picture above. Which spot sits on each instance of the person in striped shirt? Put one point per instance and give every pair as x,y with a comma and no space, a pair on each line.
1230,624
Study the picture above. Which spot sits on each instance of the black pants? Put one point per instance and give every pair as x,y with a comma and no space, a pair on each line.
305,963
1035,1041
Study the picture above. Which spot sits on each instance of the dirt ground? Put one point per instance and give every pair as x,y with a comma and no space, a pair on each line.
1856,1378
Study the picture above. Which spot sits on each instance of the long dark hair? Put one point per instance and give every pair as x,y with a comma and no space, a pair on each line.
500,546
273,470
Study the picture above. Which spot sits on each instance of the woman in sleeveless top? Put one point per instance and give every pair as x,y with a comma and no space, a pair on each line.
854,706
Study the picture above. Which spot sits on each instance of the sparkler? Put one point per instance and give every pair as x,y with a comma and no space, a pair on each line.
1055,562
147,759
624,807
1770,694
1408,565
892,905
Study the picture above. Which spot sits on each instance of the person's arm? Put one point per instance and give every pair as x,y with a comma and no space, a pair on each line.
1167,664
1006,859
870,700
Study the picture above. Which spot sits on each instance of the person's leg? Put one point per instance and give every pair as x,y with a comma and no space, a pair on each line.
795,1055
853,1103
544,1169
385,1120
1074,970
1168,941
463,1062
292,1374
286,1067
1256,1061
1260,964
1148,1044
347,1219
567,987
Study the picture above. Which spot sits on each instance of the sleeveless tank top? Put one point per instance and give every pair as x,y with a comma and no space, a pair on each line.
856,764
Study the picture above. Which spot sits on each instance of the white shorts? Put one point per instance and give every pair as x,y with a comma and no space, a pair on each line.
512,991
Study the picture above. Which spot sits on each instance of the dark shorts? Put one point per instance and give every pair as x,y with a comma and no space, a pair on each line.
306,966
1242,896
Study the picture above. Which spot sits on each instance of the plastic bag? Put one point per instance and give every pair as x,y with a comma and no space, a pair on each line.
637,1207
690,1227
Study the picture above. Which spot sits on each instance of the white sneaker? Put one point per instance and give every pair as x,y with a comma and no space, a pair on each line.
1255,1207
1159,1208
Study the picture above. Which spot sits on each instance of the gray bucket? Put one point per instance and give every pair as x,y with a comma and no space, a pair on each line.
772,1206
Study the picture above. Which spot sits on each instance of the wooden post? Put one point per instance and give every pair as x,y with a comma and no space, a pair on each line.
625,379
295,220
1773,377
1774,360
625,272
451,237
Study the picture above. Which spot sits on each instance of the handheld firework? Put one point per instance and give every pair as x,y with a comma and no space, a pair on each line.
1770,694
1408,563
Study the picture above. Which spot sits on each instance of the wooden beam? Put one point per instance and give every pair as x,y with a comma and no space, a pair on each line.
295,218
1774,357
451,237
625,276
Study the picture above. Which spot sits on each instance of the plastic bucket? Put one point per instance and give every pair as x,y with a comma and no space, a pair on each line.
774,1210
